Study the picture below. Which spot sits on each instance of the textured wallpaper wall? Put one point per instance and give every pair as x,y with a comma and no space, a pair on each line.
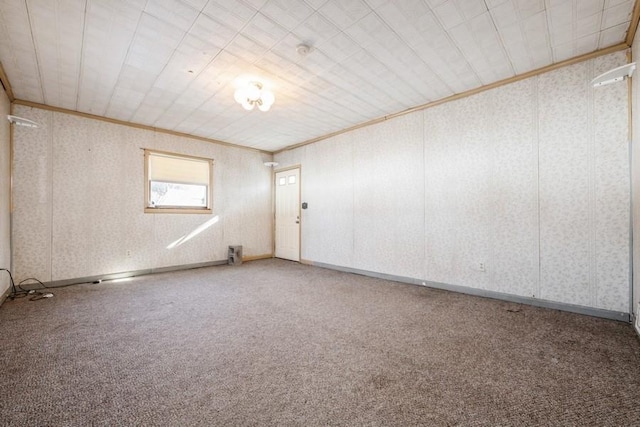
5,192
522,190
635,175
79,198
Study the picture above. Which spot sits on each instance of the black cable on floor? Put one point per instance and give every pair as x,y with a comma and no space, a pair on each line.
20,292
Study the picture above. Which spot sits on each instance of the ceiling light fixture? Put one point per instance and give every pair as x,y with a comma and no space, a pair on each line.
253,94
616,75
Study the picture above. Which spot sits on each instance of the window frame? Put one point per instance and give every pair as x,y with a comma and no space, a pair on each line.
176,209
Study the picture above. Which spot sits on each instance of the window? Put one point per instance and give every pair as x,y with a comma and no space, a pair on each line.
175,183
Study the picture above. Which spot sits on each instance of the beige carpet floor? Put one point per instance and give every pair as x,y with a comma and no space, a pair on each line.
278,343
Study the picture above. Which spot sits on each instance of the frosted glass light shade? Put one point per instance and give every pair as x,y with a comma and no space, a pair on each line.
240,95
248,105
267,97
253,92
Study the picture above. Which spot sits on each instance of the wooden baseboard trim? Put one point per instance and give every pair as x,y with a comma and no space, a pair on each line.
256,257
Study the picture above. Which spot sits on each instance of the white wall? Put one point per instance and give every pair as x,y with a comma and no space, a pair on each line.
531,179
79,198
5,192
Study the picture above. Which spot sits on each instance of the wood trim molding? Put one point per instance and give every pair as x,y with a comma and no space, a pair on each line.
288,168
633,25
134,125
5,83
528,74
147,209
256,257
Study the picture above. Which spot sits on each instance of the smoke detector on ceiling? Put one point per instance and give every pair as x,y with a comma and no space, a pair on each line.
303,49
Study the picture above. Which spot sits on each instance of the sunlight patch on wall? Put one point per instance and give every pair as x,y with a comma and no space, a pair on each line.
193,233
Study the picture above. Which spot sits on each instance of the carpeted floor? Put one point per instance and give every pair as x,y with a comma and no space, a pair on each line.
278,343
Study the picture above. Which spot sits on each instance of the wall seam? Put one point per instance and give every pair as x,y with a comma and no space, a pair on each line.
536,138
423,136
630,103
536,132
52,204
593,234
353,201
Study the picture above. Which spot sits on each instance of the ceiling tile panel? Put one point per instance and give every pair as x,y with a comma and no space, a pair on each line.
504,15
434,3
110,27
246,48
480,45
448,14
471,8
289,13
340,47
315,4
587,44
17,52
529,8
345,13
196,4
212,31
233,14
587,8
175,12
616,15
561,18
588,25
494,3
516,47
612,3
563,51
273,63
286,48
264,31
315,30
538,40
612,35
58,46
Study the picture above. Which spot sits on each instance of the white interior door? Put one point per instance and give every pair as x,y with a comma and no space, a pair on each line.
288,214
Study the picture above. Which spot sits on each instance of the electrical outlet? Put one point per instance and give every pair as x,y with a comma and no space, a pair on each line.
128,253
481,266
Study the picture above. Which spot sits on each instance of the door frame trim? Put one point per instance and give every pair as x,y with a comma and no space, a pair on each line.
273,205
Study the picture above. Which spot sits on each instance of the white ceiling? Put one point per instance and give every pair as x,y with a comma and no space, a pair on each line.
173,64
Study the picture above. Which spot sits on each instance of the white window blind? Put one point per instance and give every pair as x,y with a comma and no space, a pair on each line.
176,183
182,170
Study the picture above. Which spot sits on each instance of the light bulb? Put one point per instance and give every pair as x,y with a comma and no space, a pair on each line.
253,92
248,105
240,95
264,107
267,98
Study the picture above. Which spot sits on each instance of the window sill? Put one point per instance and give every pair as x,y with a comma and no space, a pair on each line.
177,211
